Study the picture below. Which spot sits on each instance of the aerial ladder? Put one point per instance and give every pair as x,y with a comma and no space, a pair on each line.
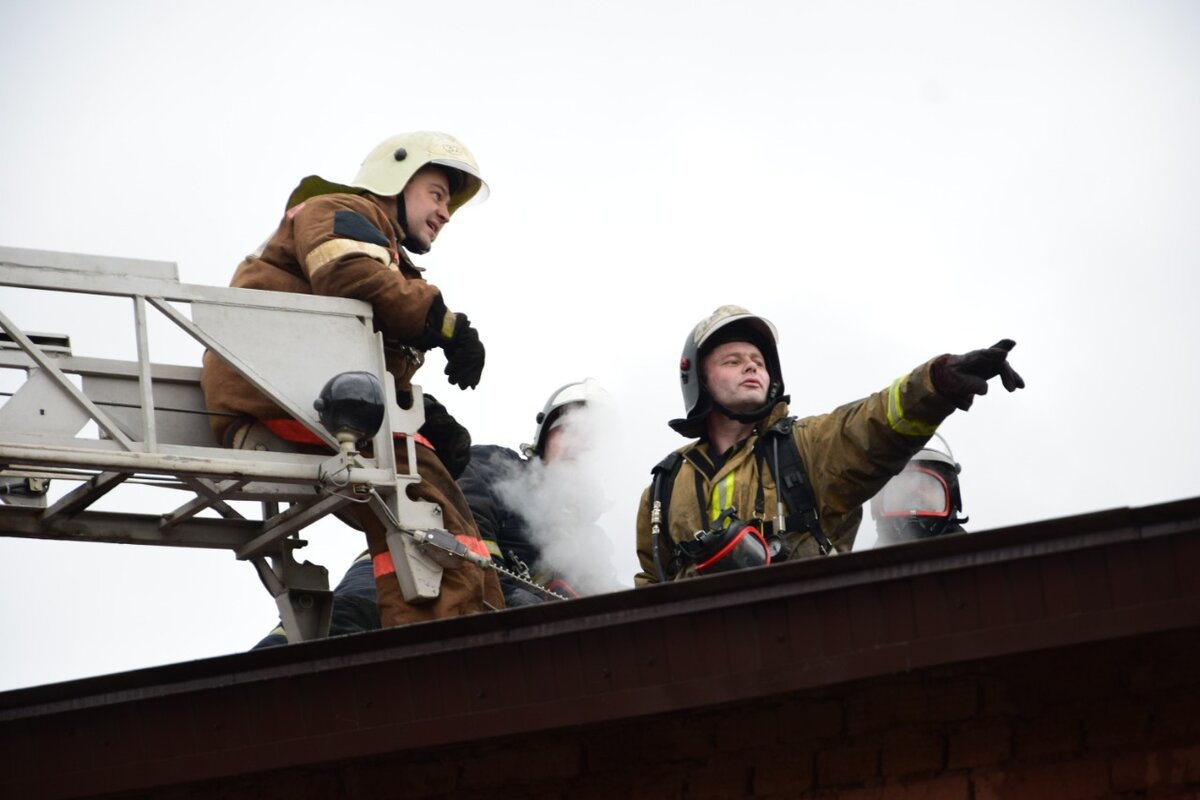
98,426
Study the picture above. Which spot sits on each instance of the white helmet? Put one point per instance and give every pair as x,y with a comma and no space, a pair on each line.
578,393
388,168
390,165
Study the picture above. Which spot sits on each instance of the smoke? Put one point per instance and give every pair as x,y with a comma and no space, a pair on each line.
561,500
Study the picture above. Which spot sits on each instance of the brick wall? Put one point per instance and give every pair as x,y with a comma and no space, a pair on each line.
1121,719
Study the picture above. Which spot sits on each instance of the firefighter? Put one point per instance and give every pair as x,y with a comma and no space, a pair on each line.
537,510
924,500
350,240
713,505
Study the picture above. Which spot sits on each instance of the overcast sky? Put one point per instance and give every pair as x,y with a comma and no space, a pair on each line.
884,181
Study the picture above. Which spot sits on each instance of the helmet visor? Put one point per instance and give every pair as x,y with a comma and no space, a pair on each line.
472,190
917,491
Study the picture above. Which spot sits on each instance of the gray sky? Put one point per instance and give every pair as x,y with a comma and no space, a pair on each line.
885,182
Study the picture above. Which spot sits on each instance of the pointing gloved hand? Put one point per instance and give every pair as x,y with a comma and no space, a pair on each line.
458,340
451,440
960,378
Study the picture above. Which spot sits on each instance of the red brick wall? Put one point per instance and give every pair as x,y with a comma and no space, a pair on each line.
1118,720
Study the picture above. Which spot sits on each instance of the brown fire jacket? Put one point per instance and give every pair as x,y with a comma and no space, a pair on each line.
849,454
343,245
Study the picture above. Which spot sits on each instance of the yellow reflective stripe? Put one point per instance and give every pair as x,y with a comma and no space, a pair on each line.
493,548
448,323
895,413
722,497
325,254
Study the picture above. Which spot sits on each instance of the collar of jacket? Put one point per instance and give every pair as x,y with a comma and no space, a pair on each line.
389,206
698,453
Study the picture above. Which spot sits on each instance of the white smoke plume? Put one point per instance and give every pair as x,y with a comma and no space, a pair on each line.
562,500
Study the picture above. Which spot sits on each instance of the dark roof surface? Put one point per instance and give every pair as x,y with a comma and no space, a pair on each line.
736,637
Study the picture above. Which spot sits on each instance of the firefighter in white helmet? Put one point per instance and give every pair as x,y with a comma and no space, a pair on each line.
537,510
349,240
758,486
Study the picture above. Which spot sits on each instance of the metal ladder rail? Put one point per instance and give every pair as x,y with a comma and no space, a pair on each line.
135,447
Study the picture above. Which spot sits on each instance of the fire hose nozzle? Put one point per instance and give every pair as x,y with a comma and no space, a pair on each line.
448,543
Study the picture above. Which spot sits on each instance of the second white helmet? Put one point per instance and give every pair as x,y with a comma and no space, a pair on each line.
578,393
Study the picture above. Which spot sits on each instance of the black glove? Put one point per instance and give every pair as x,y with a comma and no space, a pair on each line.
960,378
464,355
458,340
451,440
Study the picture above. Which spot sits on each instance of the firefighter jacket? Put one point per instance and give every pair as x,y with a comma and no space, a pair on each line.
848,454
343,245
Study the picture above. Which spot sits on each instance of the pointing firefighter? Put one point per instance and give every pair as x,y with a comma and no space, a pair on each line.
349,240
761,487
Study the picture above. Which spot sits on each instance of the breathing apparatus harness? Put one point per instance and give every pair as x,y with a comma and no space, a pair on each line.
776,447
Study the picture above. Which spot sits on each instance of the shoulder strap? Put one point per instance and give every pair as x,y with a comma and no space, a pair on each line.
777,446
662,483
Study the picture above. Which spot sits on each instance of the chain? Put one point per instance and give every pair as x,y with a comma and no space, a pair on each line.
522,577
528,582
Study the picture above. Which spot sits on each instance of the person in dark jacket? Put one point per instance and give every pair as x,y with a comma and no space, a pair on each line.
537,511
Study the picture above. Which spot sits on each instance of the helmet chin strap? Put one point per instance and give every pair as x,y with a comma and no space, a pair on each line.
409,243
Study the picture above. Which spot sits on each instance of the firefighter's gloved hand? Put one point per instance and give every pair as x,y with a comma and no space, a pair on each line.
960,378
458,340
464,355
451,440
